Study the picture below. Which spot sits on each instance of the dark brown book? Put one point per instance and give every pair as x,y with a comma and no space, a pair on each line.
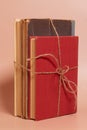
43,27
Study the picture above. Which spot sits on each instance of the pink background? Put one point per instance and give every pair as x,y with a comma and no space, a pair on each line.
63,9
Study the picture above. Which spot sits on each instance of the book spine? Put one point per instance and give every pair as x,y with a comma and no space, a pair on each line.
25,65
18,70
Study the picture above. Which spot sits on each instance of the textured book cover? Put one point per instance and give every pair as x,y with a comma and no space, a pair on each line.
53,91
43,27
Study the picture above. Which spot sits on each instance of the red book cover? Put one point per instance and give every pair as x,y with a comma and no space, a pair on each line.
55,93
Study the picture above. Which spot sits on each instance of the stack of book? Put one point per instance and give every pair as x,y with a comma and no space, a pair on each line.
45,68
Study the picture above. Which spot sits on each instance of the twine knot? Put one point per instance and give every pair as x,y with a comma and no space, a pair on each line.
62,70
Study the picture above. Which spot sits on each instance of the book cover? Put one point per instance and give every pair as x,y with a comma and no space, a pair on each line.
47,100
43,27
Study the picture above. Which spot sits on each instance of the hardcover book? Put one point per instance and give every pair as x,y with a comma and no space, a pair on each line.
18,73
48,98
43,27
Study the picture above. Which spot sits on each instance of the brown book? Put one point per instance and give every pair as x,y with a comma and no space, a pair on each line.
43,27
18,110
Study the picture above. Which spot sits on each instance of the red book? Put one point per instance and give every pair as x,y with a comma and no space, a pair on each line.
53,94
